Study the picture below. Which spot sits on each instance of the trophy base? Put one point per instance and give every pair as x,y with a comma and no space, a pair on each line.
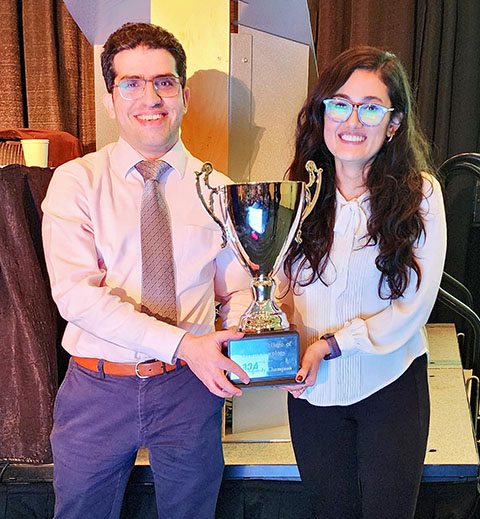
269,359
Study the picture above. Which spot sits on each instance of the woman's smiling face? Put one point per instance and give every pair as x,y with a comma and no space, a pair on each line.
352,144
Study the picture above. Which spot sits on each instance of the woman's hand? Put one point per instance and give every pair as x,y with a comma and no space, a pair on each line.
307,374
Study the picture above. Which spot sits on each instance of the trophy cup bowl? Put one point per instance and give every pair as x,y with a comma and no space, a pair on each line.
260,220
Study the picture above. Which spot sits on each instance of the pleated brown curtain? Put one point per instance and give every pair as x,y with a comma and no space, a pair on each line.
345,23
48,71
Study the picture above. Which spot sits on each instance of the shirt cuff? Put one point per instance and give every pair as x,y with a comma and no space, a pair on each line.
347,336
164,338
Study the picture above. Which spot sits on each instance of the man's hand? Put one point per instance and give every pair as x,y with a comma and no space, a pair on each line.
203,354
310,363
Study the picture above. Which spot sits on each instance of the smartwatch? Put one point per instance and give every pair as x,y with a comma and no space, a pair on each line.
333,345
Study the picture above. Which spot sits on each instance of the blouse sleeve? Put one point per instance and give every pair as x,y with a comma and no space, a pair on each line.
395,325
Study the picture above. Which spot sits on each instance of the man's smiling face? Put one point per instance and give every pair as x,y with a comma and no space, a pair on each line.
150,124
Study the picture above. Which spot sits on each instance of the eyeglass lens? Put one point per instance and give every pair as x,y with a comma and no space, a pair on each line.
369,114
134,88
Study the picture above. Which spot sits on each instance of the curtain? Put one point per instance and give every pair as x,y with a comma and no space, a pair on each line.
48,73
346,23
447,74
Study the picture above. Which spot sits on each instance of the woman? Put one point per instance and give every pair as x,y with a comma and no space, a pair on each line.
361,286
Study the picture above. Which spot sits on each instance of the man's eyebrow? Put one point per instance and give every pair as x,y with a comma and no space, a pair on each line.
133,76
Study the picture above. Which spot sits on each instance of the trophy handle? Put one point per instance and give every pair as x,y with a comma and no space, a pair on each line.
207,168
315,177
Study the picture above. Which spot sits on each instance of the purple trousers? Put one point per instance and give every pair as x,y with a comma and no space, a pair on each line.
100,421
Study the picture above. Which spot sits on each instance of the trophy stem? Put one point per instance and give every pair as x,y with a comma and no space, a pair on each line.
263,315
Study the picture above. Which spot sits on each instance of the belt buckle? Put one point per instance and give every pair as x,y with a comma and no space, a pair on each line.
137,373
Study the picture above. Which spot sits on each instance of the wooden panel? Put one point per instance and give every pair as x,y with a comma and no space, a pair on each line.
203,29
279,86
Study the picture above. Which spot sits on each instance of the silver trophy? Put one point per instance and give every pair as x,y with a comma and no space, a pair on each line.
261,219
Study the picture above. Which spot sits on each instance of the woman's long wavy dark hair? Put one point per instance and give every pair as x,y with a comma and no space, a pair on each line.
394,179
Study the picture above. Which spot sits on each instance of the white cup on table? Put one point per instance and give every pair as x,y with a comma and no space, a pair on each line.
35,152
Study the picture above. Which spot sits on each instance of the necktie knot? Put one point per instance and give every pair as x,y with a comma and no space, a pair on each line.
152,169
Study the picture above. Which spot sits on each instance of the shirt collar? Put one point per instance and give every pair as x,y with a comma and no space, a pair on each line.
358,199
124,158
352,215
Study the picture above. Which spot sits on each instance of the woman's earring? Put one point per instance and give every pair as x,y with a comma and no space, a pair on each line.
390,138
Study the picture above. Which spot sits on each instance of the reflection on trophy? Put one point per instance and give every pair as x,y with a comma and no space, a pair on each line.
261,219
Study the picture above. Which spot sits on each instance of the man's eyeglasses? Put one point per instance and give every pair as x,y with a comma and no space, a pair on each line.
134,88
369,114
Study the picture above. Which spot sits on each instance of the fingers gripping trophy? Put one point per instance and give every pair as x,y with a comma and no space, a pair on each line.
260,219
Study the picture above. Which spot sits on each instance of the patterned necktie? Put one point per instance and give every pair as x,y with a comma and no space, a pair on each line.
158,275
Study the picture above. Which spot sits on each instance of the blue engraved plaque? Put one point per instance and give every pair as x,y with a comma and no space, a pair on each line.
270,359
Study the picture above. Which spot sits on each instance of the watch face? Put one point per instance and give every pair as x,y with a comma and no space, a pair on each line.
268,359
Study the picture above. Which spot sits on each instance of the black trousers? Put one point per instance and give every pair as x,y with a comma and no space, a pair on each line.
365,460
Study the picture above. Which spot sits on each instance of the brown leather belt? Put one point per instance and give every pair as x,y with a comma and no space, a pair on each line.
141,369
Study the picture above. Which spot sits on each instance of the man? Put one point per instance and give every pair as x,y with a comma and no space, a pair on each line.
118,393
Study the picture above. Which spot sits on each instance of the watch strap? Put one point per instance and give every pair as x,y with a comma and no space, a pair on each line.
333,345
